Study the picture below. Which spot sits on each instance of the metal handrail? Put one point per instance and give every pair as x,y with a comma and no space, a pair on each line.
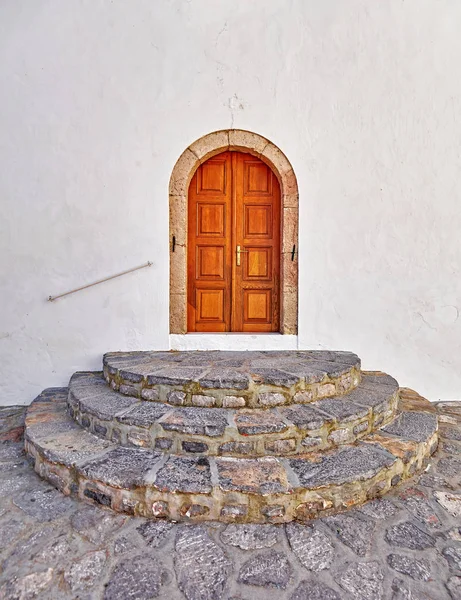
84,287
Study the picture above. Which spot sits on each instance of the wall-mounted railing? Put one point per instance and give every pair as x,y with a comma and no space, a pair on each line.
84,287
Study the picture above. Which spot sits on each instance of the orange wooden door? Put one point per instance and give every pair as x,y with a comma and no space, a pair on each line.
233,246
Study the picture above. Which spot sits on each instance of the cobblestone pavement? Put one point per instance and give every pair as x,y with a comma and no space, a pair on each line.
406,546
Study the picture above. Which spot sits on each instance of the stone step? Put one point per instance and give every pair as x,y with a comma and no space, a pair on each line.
232,379
271,489
285,430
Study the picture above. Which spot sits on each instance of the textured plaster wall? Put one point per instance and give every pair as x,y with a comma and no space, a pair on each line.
99,98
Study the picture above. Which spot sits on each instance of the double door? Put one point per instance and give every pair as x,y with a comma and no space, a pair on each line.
233,246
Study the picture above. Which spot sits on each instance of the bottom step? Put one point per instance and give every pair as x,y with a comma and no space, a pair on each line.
257,490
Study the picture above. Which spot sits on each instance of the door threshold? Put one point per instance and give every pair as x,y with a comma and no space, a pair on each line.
233,341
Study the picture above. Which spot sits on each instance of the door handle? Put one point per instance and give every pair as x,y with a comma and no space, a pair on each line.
238,253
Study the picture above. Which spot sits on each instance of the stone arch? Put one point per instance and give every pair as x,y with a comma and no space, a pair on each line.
183,171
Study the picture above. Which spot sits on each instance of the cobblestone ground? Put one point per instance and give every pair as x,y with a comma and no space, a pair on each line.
404,547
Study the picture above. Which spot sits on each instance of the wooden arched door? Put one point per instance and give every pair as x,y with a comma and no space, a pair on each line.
233,249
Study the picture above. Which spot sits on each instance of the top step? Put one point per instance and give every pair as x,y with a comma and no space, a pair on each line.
232,379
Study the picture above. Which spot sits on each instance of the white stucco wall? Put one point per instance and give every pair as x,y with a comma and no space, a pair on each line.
98,99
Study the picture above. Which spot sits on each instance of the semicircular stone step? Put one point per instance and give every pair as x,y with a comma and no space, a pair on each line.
268,489
232,379
284,430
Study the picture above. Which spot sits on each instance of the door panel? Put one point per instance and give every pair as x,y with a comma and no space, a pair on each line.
234,201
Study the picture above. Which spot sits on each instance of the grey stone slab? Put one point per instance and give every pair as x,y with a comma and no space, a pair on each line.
202,567
371,395
451,447
270,570
134,357
453,556
347,358
373,382
194,447
418,569
84,572
354,463
454,587
449,466
250,536
450,432
381,508
96,524
407,535
312,371
155,533
43,505
274,377
144,414
13,452
105,405
46,543
137,578
404,591
52,394
305,417
84,379
314,590
450,502
197,421
416,426
10,483
312,547
363,580
341,408
10,530
225,377
258,475
352,530
418,504
124,544
185,475
122,467
175,375
23,587
71,447
252,422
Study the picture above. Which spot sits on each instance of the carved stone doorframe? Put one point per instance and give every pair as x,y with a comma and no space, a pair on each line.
184,169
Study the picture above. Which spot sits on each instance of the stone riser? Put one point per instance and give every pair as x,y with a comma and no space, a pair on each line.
271,489
290,441
264,390
290,430
265,396
233,506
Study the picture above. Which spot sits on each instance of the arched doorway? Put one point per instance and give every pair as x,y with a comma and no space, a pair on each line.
210,145
233,247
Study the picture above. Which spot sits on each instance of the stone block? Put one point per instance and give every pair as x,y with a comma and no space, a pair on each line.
349,464
176,398
234,511
210,145
185,475
305,417
281,446
194,447
246,141
203,401
245,448
259,476
196,421
271,399
182,173
233,402
252,422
